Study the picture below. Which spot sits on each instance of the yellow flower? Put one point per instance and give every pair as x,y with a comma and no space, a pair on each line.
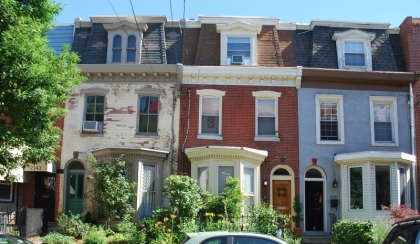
173,216
169,230
165,219
168,235
158,223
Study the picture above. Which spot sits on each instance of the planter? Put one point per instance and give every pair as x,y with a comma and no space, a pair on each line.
297,231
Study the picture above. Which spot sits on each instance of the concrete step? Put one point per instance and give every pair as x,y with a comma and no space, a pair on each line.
316,239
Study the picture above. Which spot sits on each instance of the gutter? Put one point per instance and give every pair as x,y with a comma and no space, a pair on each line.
413,149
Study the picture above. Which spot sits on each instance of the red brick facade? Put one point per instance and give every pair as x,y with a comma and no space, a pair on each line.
238,126
410,41
269,54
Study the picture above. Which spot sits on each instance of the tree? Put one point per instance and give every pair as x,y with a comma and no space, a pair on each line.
34,83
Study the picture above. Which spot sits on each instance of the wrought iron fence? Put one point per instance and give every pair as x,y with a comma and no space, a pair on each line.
23,221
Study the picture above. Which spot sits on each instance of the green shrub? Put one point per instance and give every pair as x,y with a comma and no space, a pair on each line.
95,237
381,229
56,238
263,218
72,225
118,238
349,232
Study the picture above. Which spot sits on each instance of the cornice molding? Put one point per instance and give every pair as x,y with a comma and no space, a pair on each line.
126,24
352,34
374,157
242,76
238,25
143,153
343,24
221,152
132,72
208,19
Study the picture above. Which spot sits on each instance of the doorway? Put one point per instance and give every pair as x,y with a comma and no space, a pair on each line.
45,194
282,196
75,188
314,200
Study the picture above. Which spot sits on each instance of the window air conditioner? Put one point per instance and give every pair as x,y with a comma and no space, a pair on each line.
237,59
91,126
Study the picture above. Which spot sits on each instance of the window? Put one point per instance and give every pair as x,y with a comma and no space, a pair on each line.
239,46
203,177
223,173
148,190
403,186
329,119
354,49
266,119
148,114
383,187
356,187
6,192
238,38
249,181
131,49
95,105
383,116
210,123
116,49
124,41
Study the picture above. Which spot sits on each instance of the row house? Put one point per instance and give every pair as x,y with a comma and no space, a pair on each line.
127,106
37,186
355,105
239,107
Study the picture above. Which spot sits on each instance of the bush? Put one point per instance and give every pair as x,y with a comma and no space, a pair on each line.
264,219
400,211
381,229
72,225
95,237
56,238
349,232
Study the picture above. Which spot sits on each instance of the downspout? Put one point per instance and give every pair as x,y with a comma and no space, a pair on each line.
172,130
413,149
188,129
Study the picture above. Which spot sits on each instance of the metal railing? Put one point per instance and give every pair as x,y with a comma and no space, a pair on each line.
23,221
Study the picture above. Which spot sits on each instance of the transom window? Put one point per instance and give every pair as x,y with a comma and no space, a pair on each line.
95,108
6,192
239,46
384,121
329,119
148,114
354,53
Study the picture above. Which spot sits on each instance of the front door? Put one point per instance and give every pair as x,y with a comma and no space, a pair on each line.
282,199
314,215
45,194
75,186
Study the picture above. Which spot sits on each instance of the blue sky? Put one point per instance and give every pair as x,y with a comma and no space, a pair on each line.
300,11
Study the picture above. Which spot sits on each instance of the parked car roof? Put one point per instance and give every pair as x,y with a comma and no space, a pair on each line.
404,231
226,237
7,238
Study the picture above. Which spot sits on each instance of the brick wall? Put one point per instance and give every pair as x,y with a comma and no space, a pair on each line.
190,41
269,54
238,126
287,47
410,40
208,49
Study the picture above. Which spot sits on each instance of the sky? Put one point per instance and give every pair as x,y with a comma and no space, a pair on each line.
299,11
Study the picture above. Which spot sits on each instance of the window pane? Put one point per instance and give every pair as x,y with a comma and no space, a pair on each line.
5,192
131,43
224,172
72,190
403,186
356,187
383,131
131,55
203,177
99,117
355,59
90,99
117,42
354,47
251,240
100,99
215,240
239,40
328,111
249,180
80,187
210,124
266,108
154,105
99,108
266,126
143,123
144,104
329,130
153,123
148,182
313,173
149,177
90,108
90,117
383,191
239,47
116,55
210,106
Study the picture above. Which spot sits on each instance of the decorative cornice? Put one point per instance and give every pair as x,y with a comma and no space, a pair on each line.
143,153
374,157
238,25
353,33
242,76
221,152
126,24
131,72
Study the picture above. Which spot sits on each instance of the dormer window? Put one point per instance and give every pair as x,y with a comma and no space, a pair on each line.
354,49
124,42
116,49
239,50
238,43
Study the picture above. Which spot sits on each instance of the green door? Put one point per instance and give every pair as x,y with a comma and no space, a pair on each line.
75,193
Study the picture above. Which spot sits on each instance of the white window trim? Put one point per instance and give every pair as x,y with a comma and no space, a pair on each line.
10,199
272,96
238,29
340,113
210,93
144,93
354,36
349,186
394,119
124,39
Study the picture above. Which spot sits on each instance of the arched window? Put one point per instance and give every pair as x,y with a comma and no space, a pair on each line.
116,49
313,173
281,172
131,49
76,165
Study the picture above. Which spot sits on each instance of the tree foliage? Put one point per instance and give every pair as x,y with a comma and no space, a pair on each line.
34,83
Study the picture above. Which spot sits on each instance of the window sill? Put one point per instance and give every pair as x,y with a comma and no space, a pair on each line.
330,142
210,137
266,138
149,135
356,68
384,144
92,134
